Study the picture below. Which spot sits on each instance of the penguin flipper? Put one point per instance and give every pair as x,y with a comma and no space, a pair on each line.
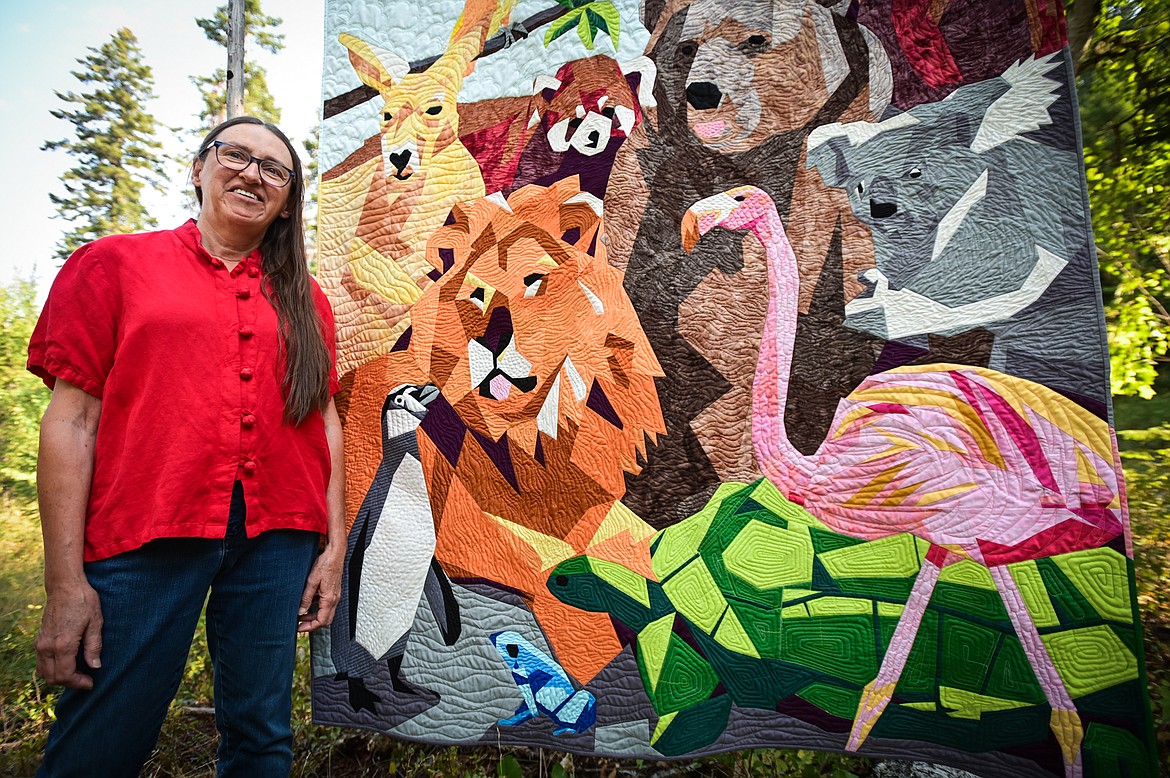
441,599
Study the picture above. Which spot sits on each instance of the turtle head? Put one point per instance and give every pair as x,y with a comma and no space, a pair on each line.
600,586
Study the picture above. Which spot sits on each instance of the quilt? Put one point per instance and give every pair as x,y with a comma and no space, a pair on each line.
724,374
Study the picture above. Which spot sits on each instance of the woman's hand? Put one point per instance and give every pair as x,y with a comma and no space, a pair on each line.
322,589
71,628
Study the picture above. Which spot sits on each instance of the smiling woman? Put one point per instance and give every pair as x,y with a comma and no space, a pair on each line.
216,333
237,202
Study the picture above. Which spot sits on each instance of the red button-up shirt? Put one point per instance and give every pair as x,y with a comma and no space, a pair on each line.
185,359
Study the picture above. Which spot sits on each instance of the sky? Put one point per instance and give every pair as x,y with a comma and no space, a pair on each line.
40,43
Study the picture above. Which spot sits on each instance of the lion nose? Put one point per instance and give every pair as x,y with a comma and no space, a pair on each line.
703,95
498,334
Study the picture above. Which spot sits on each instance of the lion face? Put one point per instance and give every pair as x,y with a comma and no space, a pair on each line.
528,329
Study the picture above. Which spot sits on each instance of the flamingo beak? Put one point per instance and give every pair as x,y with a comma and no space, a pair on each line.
690,231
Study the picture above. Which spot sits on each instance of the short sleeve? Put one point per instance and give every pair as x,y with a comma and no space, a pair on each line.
76,335
329,330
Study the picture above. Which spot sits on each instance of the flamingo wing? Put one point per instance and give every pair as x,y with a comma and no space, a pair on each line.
969,459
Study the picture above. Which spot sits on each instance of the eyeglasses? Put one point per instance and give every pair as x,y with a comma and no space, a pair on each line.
235,158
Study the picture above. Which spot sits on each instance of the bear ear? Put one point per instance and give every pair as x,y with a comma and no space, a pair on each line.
651,12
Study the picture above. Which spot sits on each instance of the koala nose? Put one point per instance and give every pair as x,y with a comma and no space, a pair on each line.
880,210
703,95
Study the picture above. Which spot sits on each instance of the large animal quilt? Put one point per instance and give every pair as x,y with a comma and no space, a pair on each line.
724,374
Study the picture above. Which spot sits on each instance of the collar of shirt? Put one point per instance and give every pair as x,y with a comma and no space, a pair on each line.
189,236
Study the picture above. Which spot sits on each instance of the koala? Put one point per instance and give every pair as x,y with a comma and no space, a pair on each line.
973,223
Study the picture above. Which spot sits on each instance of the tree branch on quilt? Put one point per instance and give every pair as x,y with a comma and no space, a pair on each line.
724,374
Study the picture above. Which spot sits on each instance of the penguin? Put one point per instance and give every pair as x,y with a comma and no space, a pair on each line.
389,562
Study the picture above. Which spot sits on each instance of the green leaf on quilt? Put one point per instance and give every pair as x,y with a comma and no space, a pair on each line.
585,30
606,17
562,26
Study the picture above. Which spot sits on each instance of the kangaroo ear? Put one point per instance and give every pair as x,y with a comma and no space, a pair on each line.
375,66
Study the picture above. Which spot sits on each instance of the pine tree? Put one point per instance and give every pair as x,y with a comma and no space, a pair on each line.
258,31
115,147
312,146
24,397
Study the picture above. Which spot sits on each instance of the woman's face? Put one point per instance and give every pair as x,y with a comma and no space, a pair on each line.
240,202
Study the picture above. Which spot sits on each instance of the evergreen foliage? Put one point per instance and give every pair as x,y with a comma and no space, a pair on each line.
22,395
312,145
1124,91
114,145
258,30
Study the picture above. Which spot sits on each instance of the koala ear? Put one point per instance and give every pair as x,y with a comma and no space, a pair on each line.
826,145
829,160
959,126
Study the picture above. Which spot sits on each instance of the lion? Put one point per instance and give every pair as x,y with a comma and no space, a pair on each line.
546,401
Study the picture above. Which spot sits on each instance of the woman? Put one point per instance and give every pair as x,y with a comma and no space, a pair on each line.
191,450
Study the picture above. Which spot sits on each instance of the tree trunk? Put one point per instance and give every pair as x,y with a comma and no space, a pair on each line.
235,68
1081,21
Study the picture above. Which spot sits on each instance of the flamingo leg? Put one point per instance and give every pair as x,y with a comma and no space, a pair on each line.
1065,722
877,693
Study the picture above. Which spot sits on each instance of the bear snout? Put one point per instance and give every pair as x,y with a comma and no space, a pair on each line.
703,95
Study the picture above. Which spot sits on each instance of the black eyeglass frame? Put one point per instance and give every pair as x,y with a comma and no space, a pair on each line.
260,162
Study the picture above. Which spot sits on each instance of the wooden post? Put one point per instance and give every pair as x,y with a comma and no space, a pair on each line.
235,66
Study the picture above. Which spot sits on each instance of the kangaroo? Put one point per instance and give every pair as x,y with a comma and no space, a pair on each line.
408,189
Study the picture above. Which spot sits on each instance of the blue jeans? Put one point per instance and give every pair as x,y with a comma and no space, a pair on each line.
151,599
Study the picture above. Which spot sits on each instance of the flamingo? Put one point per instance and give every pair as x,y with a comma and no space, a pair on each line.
982,465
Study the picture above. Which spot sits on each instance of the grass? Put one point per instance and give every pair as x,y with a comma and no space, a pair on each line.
187,744
1144,438
24,705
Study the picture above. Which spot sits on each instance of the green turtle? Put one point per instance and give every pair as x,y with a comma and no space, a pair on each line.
755,602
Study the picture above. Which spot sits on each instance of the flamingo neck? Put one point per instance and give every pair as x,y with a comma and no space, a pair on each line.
783,464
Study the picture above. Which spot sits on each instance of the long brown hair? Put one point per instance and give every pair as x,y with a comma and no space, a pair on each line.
287,287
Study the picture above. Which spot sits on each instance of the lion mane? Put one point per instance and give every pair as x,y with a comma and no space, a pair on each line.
529,334
546,400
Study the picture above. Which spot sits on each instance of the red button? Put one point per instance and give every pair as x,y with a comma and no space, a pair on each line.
249,467
246,374
243,294
254,272
248,420
246,331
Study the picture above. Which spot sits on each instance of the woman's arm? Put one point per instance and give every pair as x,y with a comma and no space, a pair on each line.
324,582
72,618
